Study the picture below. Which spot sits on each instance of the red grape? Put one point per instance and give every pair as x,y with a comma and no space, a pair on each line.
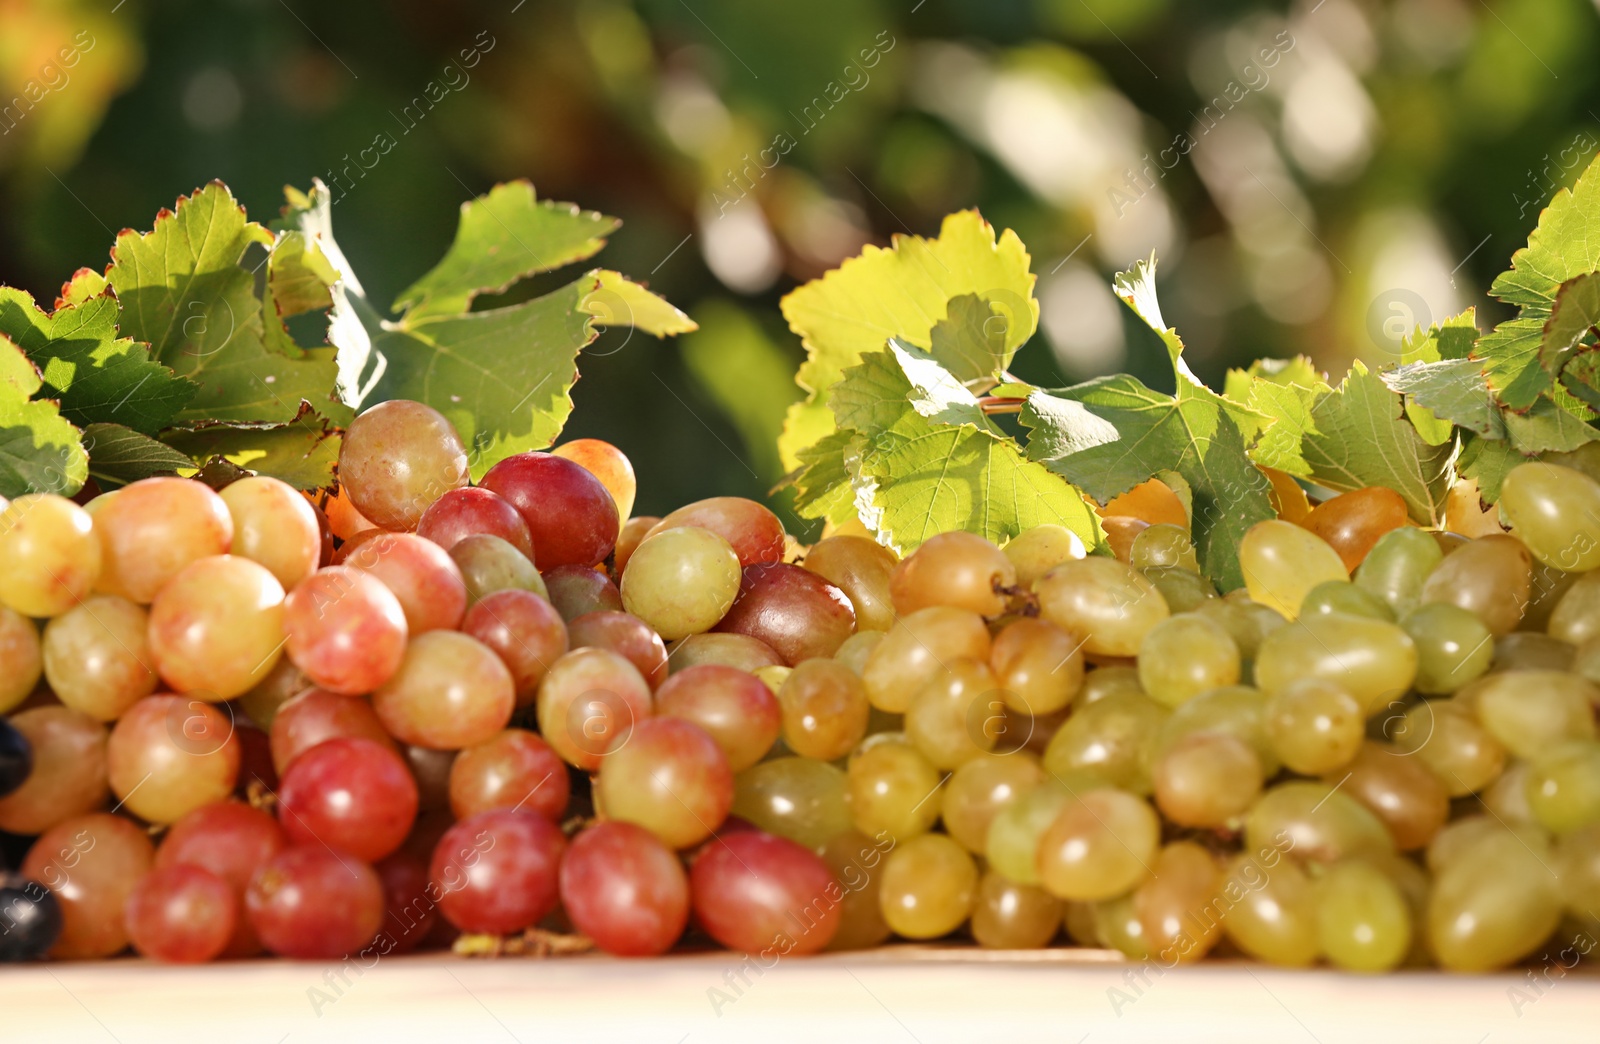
524,630
419,573
762,894
471,511
346,630
496,872
576,590
410,912
181,914
792,609
232,840
753,530
311,903
670,777
627,636
317,715
625,890
590,699
570,514
351,793
516,769
735,707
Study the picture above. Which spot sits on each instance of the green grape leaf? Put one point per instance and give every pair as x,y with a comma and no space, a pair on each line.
1362,439
928,461
501,238
119,455
1510,358
1284,390
970,341
823,485
88,369
1574,318
301,453
1451,339
1060,427
300,279
903,291
85,283
617,300
1547,428
1453,392
1565,244
40,450
1487,461
184,292
1581,377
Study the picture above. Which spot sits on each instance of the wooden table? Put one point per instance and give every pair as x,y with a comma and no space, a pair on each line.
899,995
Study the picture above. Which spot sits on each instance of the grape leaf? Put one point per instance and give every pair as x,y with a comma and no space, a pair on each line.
299,280
823,485
928,461
1451,340
1362,439
119,455
1453,391
503,237
183,291
301,453
970,341
93,374
1510,358
1486,461
903,291
617,300
84,284
1581,377
1574,317
1547,427
40,451
1285,390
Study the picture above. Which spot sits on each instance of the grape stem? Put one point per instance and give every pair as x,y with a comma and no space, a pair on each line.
533,942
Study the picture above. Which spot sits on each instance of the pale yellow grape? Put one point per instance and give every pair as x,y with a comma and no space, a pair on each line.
1206,778
1530,650
1111,738
1576,617
1186,655
1493,904
1462,835
773,675
1184,590
1397,567
217,627
980,789
915,651
1275,921
1106,603
1101,844
1175,906
1163,544
1038,666
97,656
1564,787
1282,562
929,885
1453,647
1040,549
1507,797
857,649
957,715
275,526
1315,726
1531,711
1117,925
1577,866
1373,660
893,788
1012,847
681,581
1322,823
50,554
1554,510
1109,681
1446,737
20,654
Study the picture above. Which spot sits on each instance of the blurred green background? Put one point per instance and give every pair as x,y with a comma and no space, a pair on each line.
1315,176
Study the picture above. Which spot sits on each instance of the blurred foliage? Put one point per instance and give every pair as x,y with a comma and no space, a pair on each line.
1317,176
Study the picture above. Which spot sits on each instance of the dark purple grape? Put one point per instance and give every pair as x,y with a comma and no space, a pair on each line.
16,758
30,919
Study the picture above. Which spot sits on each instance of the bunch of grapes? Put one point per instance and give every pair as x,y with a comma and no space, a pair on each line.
247,720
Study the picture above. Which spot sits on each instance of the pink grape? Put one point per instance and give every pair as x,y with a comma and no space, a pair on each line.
590,699
69,775
351,793
182,914
670,777
150,530
346,630
794,610
451,691
514,769
420,574
316,716
91,863
758,893
625,890
735,707
311,903
525,631
754,532
275,525
171,754
231,840
474,511
570,513
627,636
397,458
497,872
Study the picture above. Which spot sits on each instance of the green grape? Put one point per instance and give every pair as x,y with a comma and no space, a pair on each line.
681,581
1461,836
1101,845
1117,925
489,563
893,788
802,799
1586,661
1372,660
1282,562
1493,904
1507,797
856,649
1107,603
1238,710
1118,680
1163,544
1174,905
1532,651
1577,864
980,790
1342,596
1081,924
1012,847
1186,655
1363,921
1008,915
1038,666
1040,549
1576,617
1563,787
1275,920
1397,567
1446,737
1490,576
915,650
1109,738
1184,590
954,718
1246,623
1323,824
1555,510
1531,711
1453,647
929,886
1206,779
1314,726
97,656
